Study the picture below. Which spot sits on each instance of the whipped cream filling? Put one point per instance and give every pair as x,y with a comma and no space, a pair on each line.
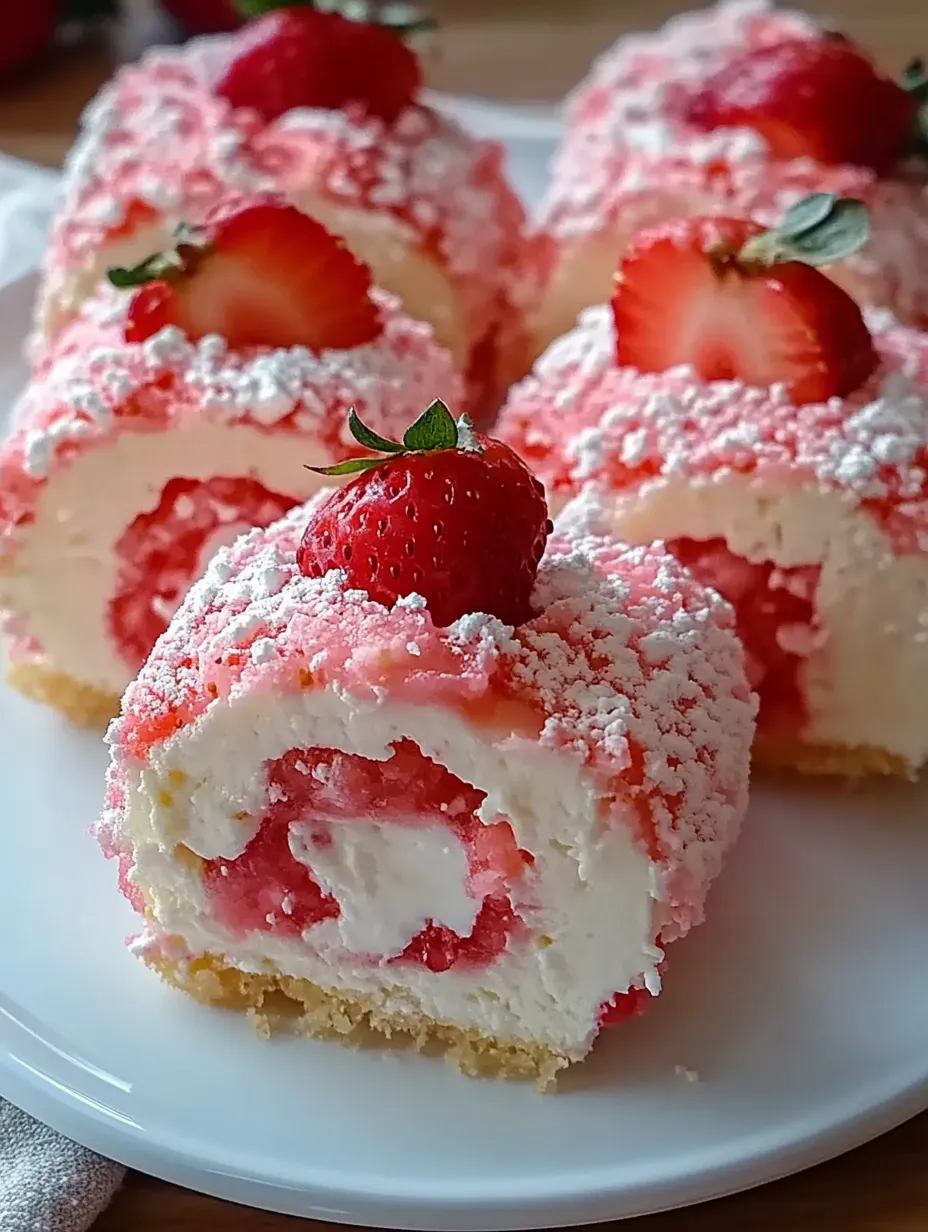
65,571
867,682
592,903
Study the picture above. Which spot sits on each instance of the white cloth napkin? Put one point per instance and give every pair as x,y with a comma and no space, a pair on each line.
48,1183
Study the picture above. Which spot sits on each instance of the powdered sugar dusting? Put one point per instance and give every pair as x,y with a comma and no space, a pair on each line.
94,385
579,417
629,666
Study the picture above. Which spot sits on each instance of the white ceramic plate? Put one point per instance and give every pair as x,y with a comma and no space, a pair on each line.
801,1009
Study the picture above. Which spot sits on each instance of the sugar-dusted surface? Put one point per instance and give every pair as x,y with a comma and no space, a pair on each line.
579,417
628,159
157,146
93,385
630,667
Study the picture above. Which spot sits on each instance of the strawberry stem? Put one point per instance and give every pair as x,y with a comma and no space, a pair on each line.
915,83
405,20
818,230
435,430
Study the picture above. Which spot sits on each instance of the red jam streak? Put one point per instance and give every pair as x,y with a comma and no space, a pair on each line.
623,1006
266,889
776,621
166,549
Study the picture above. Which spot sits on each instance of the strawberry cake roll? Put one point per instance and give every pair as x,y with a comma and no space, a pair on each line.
740,108
402,762
167,419
735,403
328,112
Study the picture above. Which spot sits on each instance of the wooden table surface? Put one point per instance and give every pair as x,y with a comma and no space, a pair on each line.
531,49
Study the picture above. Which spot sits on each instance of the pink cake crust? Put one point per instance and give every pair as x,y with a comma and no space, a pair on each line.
580,418
158,145
93,385
628,159
630,667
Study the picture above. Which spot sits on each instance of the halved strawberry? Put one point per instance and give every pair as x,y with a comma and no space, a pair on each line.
819,98
260,275
737,303
299,57
451,516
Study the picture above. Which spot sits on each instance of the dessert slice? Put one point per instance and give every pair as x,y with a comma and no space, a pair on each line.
328,112
735,403
738,109
175,413
378,765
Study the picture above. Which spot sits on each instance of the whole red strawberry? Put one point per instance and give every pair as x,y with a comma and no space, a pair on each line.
263,274
450,515
26,29
819,98
299,57
736,302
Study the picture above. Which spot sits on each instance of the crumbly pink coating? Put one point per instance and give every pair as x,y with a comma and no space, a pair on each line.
630,666
628,159
157,143
93,385
580,418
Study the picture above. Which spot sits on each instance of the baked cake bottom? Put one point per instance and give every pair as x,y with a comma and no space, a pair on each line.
282,1001
81,703
851,762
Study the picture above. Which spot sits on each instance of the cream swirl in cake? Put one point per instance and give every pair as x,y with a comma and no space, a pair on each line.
483,835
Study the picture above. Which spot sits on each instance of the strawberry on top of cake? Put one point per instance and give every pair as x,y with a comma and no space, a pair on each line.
425,763
735,402
329,112
177,410
736,109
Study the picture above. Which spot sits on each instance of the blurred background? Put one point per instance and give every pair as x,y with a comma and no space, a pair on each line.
55,53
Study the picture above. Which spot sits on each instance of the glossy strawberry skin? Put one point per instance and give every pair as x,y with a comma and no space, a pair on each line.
463,529
683,298
298,57
810,98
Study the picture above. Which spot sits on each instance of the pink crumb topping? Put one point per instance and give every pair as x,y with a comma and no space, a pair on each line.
579,417
157,144
628,159
630,666
94,385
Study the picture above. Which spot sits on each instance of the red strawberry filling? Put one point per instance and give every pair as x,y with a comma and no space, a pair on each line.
267,888
776,620
166,549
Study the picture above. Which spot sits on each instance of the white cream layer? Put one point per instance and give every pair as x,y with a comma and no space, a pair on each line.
65,574
591,901
868,683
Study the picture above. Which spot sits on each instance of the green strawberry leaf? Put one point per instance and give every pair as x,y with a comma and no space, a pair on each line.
350,466
368,438
841,233
403,19
434,429
88,10
810,212
915,80
818,230
152,269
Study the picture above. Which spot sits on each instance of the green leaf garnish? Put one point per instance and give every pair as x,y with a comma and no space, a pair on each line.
818,230
435,430
368,438
405,20
161,265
